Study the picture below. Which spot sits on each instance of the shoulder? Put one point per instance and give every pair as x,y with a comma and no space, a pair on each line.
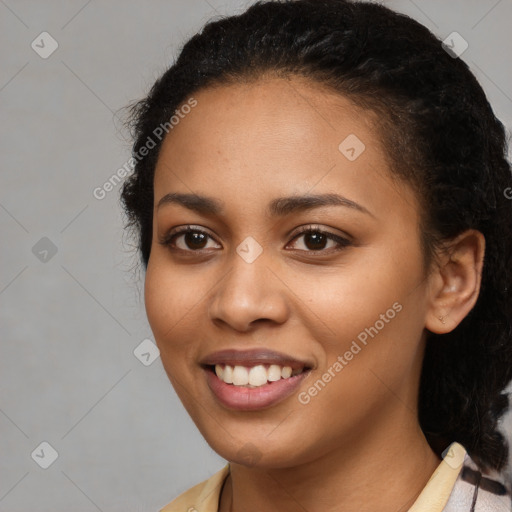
203,497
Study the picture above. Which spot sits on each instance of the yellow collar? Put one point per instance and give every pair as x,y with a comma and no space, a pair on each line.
204,497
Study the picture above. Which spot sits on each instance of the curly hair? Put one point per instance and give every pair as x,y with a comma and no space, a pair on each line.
441,137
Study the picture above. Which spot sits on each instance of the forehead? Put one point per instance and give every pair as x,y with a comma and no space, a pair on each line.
279,115
274,137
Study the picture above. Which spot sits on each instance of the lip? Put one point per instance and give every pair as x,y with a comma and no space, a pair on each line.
243,398
253,357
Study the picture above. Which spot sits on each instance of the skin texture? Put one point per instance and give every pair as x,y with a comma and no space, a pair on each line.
357,445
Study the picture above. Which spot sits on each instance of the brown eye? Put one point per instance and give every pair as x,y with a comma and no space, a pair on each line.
315,240
195,240
192,239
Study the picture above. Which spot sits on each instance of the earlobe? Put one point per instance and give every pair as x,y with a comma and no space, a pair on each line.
455,283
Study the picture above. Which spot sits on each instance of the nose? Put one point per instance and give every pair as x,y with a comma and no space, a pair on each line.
250,293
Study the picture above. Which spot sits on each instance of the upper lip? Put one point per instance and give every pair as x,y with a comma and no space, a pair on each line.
253,357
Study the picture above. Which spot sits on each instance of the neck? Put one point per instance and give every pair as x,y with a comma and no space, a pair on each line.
384,468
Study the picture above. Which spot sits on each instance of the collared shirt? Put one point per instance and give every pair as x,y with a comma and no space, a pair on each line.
456,485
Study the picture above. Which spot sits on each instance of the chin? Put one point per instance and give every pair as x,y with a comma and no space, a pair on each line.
259,453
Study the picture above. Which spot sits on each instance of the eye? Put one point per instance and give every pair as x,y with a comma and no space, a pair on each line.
194,239
315,239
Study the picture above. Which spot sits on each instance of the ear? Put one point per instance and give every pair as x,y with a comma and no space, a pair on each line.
454,283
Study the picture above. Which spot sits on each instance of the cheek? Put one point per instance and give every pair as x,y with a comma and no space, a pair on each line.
354,296
169,300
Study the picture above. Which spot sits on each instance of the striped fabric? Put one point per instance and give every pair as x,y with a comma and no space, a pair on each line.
476,492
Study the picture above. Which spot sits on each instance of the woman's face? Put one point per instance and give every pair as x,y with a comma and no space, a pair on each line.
247,290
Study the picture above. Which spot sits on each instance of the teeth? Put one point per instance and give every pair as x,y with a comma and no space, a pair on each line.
274,372
258,375
286,372
255,376
240,376
227,374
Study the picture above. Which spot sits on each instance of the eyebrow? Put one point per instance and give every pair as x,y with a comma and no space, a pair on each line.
278,207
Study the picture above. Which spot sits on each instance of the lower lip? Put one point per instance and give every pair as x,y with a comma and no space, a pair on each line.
242,398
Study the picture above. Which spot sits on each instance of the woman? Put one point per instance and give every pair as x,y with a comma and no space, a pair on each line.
320,200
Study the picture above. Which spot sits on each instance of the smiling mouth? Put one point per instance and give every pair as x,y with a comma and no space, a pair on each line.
254,376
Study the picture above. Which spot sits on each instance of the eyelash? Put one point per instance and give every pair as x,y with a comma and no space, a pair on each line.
168,240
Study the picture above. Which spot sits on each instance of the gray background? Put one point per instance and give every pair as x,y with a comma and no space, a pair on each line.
70,321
